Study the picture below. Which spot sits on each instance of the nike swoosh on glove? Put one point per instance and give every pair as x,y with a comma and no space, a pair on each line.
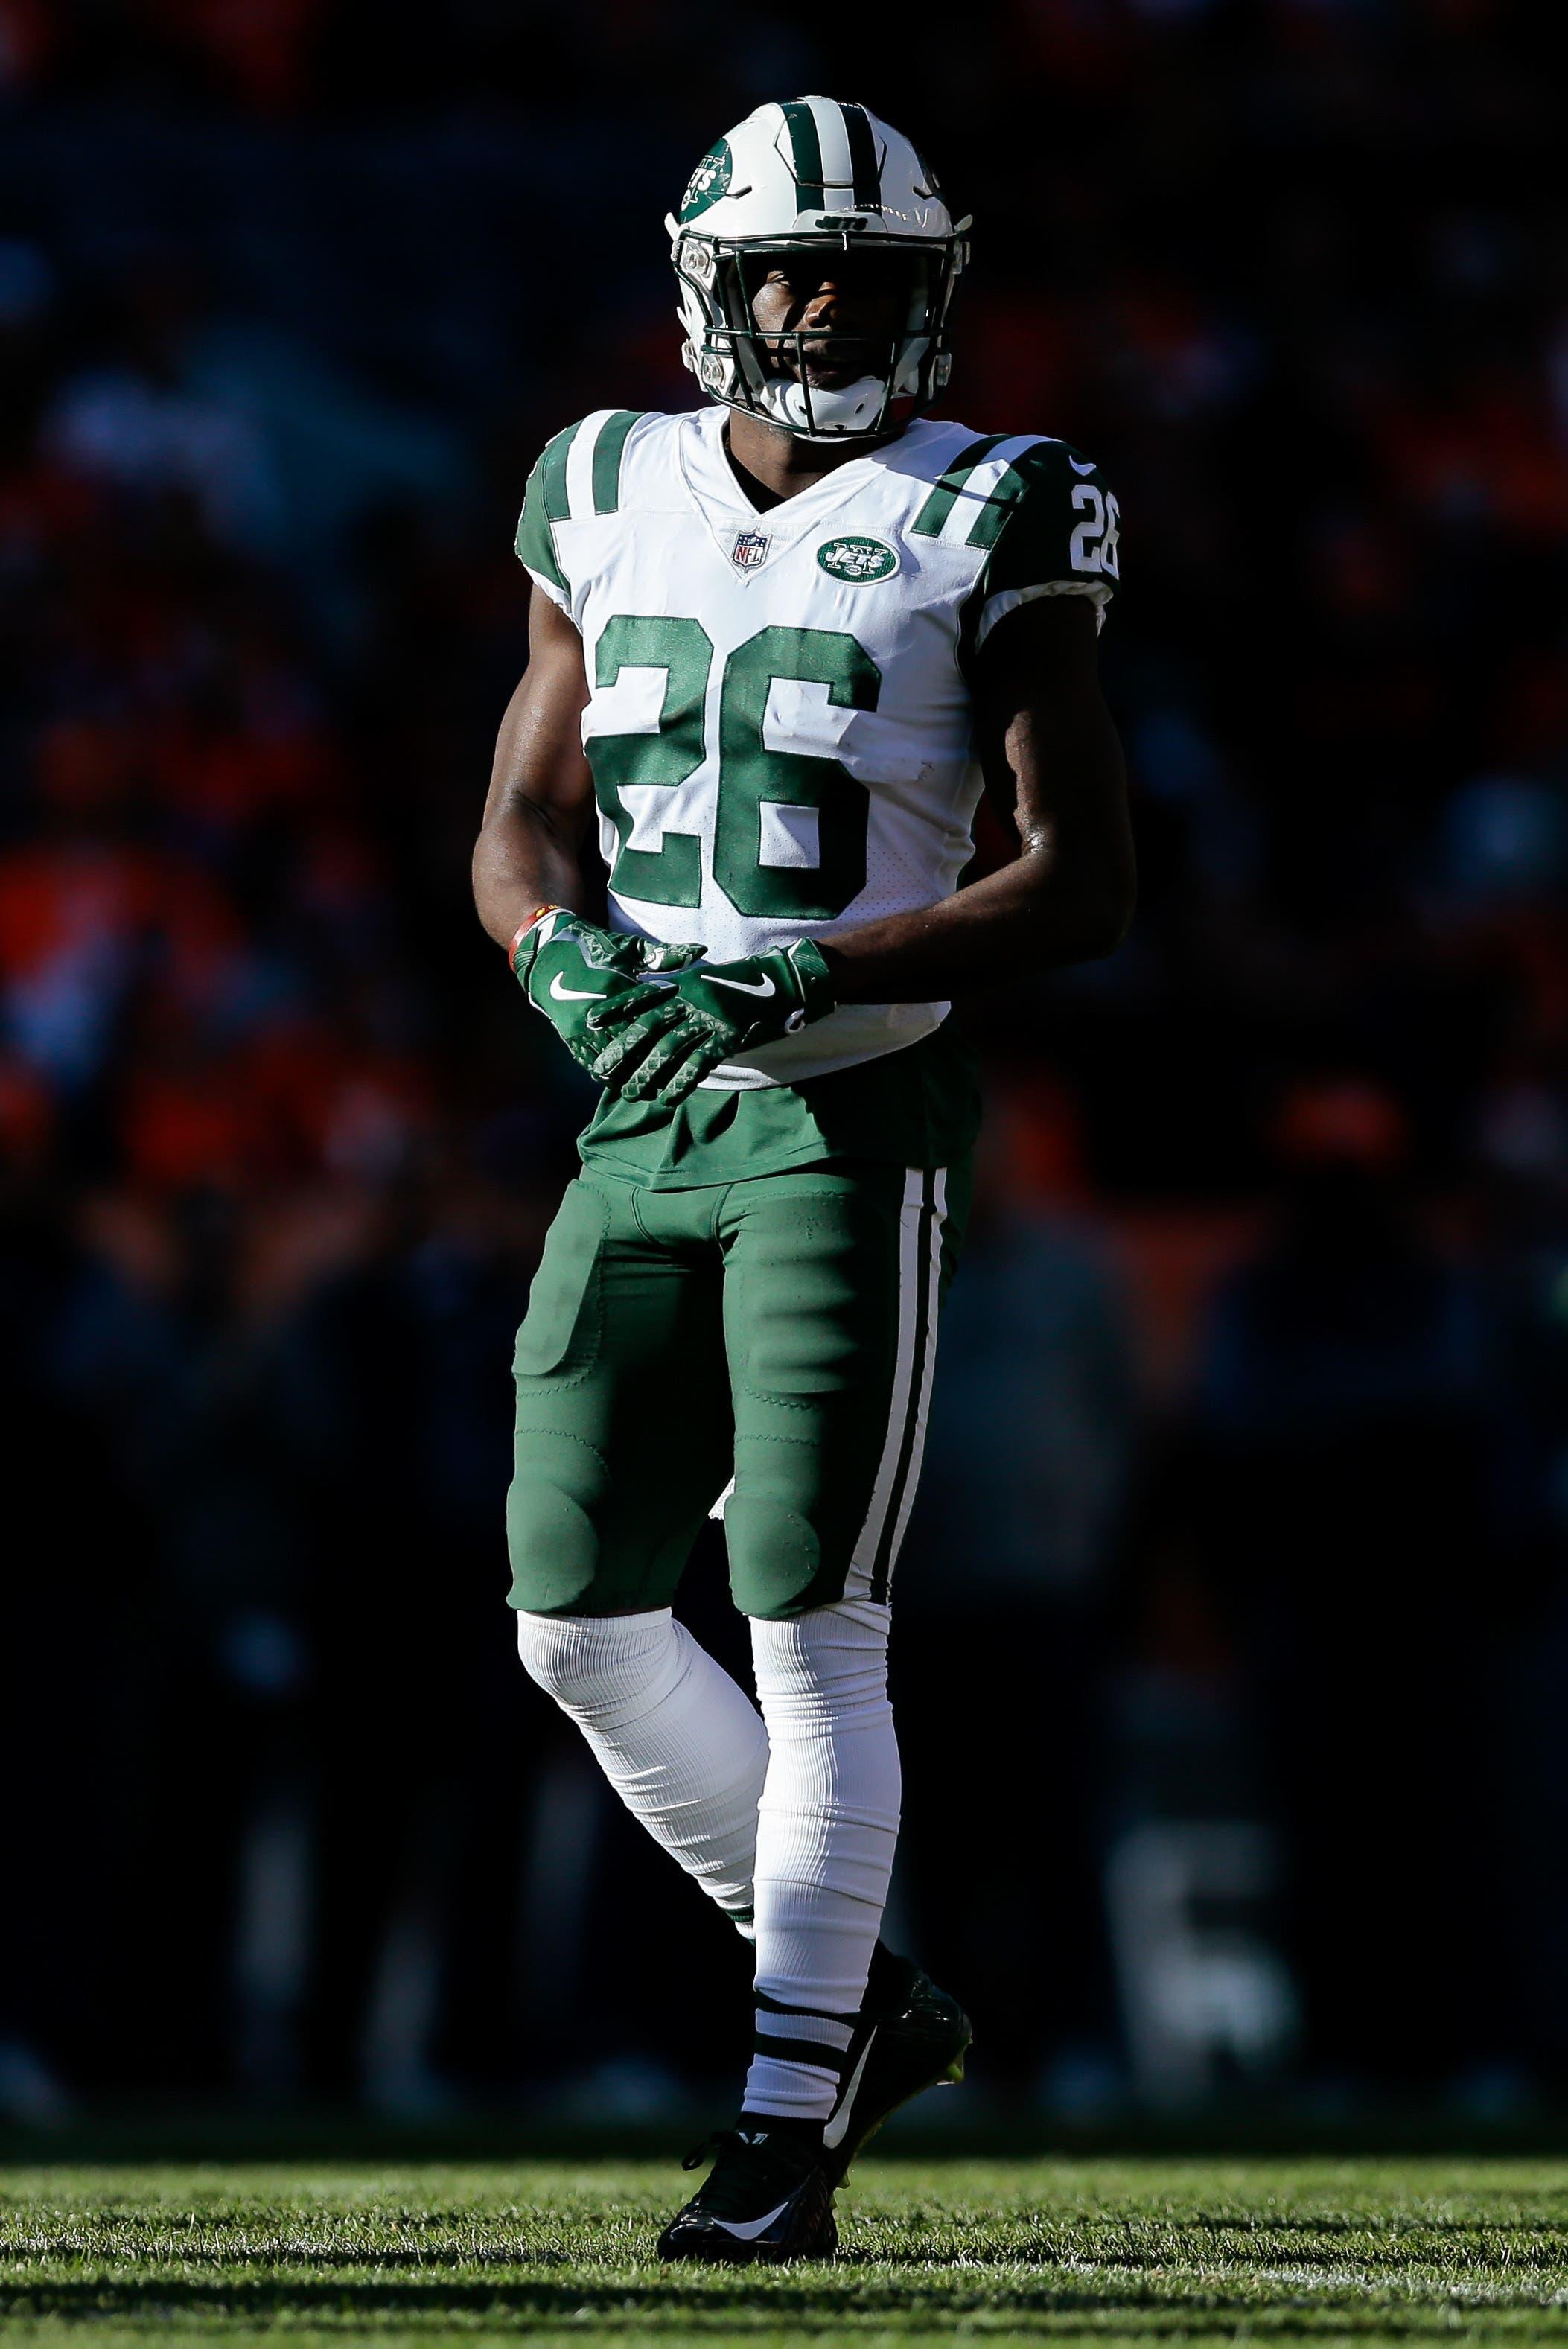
712,1011
569,967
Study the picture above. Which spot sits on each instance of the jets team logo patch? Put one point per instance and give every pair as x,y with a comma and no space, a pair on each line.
751,549
858,560
708,182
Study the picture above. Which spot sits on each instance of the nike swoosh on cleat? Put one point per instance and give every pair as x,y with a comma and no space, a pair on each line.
837,2127
1081,468
746,2231
742,986
575,994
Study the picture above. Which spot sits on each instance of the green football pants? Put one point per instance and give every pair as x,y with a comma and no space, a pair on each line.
767,1345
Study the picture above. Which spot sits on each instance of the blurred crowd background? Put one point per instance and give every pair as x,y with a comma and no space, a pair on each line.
1232,1638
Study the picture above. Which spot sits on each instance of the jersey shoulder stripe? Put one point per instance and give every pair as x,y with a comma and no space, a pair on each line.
928,522
553,473
579,475
545,505
979,489
609,449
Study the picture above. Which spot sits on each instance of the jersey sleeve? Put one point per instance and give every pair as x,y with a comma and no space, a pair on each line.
1059,535
544,503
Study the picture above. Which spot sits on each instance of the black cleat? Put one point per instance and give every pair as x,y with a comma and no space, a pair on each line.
767,2196
910,2037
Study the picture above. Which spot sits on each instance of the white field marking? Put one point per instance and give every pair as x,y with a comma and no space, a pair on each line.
1400,2284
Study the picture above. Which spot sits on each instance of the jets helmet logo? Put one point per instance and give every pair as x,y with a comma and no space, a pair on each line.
857,559
707,182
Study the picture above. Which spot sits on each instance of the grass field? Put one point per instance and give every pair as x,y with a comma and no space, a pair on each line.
1173,2251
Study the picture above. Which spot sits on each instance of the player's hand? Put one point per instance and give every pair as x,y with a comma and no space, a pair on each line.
569,967
661,1051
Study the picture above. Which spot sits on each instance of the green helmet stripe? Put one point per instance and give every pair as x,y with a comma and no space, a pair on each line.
552,474
608,451
928,521
806,149
862,159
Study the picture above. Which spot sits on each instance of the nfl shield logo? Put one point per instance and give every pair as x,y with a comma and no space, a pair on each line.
750,548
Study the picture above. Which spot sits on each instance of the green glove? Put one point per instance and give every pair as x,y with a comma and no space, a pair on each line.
661,1051
568,965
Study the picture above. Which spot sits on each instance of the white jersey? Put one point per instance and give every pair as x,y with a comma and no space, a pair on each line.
778,722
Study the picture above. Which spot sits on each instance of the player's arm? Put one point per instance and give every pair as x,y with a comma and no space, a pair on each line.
1053,765
541,794
526,870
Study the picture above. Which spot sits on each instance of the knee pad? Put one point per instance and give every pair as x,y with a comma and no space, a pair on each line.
775,1555
551,1539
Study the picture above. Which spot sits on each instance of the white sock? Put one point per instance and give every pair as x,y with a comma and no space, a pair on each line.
679,1741
826,1833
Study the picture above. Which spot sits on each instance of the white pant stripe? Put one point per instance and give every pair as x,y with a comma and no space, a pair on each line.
859,1580
933,1273
918,1270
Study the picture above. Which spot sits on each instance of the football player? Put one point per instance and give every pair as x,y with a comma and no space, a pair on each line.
777,646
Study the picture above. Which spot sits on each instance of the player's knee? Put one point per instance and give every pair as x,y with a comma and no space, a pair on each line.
777,1564
603,1669
553,1544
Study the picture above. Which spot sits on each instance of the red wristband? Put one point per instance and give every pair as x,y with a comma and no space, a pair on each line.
523,928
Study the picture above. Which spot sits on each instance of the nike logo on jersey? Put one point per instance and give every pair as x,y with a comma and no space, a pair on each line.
746,2231
563,994
742,986
1081,468
837,2129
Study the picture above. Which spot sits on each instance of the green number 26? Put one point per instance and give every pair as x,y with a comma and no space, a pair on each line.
757,787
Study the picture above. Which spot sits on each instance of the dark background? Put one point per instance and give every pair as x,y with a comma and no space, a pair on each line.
1232,1637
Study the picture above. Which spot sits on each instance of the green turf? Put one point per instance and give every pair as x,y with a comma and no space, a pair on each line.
1183,2252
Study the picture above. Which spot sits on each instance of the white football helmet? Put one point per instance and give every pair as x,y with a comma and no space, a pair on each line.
813,172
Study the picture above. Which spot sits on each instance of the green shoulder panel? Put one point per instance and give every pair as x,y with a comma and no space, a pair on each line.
546,501
1050,519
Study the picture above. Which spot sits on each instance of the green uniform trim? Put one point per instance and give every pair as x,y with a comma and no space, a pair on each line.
862,159
1030,529
806,149
552,474
544,502
999,504
1029,525
608,451
928,521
